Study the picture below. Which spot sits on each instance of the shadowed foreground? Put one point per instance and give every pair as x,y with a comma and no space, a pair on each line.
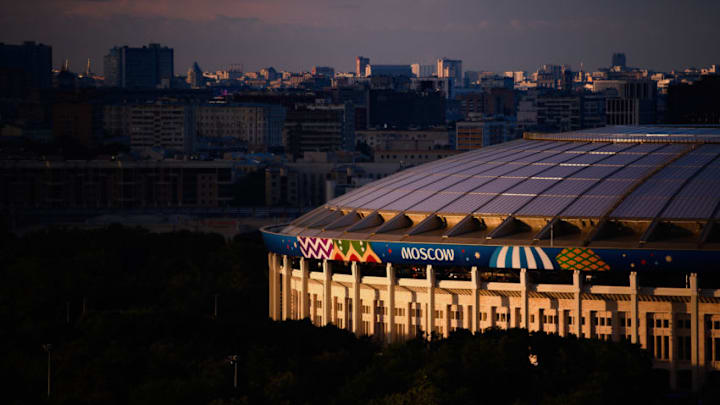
148,335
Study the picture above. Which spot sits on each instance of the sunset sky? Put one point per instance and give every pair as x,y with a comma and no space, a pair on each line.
297,34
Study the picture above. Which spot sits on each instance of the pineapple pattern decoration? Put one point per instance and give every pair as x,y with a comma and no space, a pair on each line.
354,251
580,259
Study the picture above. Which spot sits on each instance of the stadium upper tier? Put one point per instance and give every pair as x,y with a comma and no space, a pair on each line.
627,186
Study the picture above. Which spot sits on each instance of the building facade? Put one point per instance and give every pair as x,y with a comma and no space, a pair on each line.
259,126
162,125
678,326
115,184
388,70
319,128
147,67
629,102
471,135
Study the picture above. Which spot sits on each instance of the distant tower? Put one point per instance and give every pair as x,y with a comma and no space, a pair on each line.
195,76
451,69
618,59
66,65
88,72
361,63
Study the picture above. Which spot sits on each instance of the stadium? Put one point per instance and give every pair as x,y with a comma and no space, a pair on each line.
609,233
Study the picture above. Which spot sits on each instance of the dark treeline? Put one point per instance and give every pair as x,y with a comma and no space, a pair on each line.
142,330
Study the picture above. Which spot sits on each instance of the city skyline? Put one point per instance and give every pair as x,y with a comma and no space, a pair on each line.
289,36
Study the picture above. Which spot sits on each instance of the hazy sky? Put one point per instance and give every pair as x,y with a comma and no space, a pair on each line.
495,35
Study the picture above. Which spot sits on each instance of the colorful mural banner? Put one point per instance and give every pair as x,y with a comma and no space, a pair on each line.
515,257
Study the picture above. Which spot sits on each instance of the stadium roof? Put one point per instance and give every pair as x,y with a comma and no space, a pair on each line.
605,187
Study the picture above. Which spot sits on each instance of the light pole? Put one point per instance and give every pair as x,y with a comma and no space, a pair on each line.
48,348
233,359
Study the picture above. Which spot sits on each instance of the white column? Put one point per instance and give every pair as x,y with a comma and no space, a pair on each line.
287,295
524,311
271,286
327,292
304,300
277,293
577,284
634,313
356,309
448,321
672,352
475,313
390,272
431,299
695,323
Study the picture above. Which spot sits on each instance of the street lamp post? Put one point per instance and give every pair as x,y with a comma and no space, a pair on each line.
48,348
233,359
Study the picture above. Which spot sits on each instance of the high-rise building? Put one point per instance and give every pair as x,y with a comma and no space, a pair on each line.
450,68
422,70
195,76
618,59
360,63
24,67
147,67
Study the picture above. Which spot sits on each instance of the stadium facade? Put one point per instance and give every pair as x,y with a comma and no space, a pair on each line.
608,233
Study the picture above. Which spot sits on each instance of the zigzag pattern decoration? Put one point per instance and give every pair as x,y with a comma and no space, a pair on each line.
315,248
354,251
